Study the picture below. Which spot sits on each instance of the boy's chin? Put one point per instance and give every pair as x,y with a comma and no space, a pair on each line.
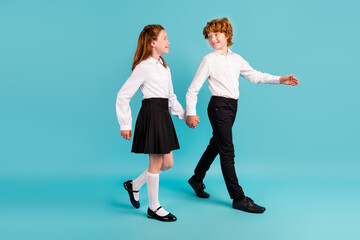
216,48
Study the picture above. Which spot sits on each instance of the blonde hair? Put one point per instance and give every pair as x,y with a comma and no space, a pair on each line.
143,51
222,25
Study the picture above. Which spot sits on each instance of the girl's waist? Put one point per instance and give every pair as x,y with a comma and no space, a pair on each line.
156,104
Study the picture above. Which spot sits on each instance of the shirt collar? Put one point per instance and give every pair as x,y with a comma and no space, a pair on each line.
217,52
153,60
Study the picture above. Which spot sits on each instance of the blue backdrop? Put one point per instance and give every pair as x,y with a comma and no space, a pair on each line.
62,159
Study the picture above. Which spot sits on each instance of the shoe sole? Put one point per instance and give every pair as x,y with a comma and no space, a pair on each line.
256,212
151,217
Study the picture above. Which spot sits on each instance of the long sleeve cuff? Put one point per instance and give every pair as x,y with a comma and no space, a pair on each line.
180,115
125,127
190,112
275,80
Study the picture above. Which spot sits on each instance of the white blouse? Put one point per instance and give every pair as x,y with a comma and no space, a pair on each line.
223,71
154,81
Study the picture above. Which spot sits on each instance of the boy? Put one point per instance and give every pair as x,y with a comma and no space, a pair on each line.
222,68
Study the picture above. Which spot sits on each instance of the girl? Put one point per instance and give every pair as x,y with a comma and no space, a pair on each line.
154,130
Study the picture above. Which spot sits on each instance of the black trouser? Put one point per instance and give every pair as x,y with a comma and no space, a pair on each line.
222,112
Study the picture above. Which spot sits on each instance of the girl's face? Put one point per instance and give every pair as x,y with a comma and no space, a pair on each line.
161,45
218,41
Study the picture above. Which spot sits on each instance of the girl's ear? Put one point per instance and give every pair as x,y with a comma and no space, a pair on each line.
153,43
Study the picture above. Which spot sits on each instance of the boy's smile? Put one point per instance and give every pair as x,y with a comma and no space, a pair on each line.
218,41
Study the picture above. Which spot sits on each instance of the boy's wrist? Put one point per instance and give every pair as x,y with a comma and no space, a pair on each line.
190,113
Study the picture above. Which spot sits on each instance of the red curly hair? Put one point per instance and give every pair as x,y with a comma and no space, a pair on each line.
221,25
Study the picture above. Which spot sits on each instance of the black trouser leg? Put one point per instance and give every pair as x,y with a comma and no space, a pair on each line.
206,159
222,112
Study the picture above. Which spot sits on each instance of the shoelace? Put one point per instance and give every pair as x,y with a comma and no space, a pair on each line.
249,199
202,187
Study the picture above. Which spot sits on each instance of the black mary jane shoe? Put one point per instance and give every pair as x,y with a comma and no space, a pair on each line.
248,205
167,218
129,189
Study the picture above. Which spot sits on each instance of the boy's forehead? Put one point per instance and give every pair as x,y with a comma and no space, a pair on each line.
213,33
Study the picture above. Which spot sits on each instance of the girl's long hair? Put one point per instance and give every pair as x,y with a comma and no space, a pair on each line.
143,51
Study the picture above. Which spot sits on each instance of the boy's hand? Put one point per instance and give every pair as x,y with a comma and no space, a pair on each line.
192,121
289,80
126,134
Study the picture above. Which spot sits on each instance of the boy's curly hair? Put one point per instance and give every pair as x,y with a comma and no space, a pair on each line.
219,25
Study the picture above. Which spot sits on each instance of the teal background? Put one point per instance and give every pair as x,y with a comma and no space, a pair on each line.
62,160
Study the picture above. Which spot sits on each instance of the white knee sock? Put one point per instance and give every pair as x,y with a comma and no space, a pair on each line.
138,183
153,192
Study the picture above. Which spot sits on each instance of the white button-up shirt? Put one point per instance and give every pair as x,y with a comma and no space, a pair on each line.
154,81
223,71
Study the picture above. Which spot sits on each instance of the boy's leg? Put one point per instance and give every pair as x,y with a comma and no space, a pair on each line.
206,159
202,167
222,114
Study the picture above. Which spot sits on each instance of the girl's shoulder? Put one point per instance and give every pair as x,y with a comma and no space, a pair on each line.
141,66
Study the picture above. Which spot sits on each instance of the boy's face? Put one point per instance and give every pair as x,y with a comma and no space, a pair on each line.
218,41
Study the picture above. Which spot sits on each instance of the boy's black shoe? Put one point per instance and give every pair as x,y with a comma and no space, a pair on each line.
247,205
129,188
167,218
198,187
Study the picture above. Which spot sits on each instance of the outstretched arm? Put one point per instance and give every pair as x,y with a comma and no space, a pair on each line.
289,80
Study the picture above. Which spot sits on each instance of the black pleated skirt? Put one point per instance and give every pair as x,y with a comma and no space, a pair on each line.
154,130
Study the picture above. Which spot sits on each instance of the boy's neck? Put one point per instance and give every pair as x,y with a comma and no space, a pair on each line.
224,50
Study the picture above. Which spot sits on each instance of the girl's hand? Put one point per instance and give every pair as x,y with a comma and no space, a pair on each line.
126,134
192,121
289,80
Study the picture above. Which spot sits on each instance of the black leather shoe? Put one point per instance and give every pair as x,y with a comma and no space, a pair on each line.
167,218
248,205
198,187
129,188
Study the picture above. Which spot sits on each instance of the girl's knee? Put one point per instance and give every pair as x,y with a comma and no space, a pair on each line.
167,165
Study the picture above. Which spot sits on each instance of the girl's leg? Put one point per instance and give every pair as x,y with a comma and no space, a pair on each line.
152,179
168,161
138,183
155,163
